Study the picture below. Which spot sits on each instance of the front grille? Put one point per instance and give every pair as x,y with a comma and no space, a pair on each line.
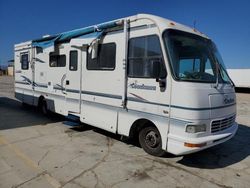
222,124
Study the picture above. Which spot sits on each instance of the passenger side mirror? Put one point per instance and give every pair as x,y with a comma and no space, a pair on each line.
94,49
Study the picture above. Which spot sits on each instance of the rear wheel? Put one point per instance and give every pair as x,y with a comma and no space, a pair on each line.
25,105
150,141
43,107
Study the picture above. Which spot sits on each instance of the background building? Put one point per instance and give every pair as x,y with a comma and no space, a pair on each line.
10,68
7,68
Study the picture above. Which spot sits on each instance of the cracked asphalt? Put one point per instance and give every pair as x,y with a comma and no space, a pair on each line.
38,151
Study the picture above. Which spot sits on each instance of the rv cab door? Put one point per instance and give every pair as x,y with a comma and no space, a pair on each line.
148,91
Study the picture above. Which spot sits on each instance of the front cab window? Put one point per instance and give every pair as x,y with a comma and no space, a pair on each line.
190,56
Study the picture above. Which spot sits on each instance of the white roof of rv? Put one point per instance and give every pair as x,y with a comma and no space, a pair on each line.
23,44
163,24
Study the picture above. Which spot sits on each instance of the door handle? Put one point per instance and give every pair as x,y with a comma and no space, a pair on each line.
67,82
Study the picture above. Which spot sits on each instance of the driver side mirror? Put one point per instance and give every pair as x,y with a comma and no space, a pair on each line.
155,68
158,73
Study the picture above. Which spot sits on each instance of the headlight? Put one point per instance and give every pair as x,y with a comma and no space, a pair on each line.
196,128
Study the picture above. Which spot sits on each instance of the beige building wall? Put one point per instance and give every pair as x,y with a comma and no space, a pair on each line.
11,71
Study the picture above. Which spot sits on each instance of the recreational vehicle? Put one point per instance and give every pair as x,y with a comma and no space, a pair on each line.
142,76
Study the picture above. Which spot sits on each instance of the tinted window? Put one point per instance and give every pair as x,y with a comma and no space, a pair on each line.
25,61
57,60
142,51
191,57
39,50
105,59
73,61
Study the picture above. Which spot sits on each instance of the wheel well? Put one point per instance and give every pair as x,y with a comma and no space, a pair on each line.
138,125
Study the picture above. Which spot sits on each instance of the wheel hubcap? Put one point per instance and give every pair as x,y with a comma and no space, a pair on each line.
152,139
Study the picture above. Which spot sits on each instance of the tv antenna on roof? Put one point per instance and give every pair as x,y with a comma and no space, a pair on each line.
194,24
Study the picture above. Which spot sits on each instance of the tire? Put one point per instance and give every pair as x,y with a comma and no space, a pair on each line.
25,105
43,108
150,141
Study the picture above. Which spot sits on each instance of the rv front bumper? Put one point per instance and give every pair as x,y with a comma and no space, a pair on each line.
184,145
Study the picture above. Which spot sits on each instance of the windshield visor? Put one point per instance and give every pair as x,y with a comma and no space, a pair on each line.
190,57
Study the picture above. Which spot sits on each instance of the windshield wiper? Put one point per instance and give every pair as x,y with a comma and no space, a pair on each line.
217,75
230,80
219,71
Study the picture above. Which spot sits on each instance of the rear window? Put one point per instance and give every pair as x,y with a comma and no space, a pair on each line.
106,58
25,61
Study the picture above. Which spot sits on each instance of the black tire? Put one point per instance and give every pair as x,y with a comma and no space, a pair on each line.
150,141
43,107
25,105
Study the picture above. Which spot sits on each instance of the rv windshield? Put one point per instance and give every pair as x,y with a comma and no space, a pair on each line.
194,58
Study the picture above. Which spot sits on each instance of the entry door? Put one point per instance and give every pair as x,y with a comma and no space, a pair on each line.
24,75
73,81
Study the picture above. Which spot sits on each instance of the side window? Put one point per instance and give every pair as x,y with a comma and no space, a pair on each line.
73,60
106,58
141,53
39,50
57,60
25,61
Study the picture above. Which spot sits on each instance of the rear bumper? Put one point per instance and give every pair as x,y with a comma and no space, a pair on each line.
176,144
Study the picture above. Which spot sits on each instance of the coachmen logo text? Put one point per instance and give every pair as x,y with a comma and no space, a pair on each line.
142,86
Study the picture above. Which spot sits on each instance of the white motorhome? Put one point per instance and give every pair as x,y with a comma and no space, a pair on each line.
141,76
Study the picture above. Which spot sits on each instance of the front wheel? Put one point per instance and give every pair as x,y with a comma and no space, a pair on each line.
150,141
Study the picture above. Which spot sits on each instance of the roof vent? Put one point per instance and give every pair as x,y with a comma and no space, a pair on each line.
46,36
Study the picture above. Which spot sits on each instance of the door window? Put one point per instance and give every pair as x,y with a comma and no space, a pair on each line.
142,51
73,60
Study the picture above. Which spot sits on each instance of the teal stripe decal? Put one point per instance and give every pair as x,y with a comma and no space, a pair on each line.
133,99
197,109
102,94
179,107
137,111
143,101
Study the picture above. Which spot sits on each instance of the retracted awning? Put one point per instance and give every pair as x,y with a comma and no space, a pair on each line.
95,31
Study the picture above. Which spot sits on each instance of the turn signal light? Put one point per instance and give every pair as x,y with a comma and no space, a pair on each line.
172,24
190,145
